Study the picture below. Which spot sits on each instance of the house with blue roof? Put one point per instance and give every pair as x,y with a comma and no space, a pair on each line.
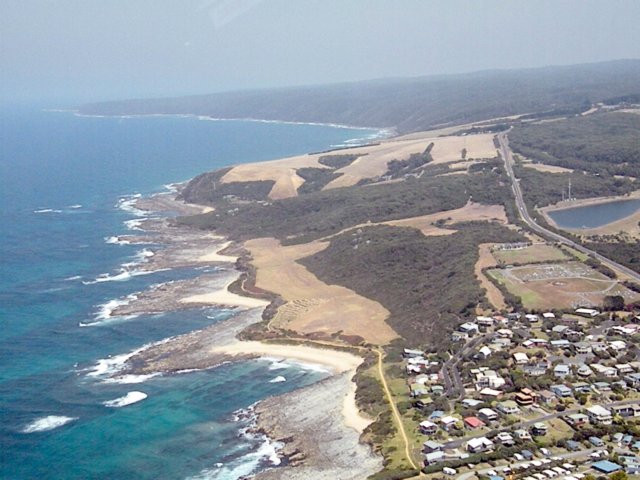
606,466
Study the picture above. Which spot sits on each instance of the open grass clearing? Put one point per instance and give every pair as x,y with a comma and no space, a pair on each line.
540,252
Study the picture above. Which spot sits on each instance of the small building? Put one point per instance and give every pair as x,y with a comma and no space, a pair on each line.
536,370
603,370
485,352
561,344
477,445
606,467
490,393
459,336
431,446
561,370
428,428
488,415
525,399
577,420
587,312
599,415
508,407
471,402
633,380
584,370
581,387
626,411
522,434
505,439
539,429
448,422
484,321
561,391
623,369
504,333
573,446
520,358
582,348
546,397
473,422
433,458
532,318
548,315
409,353
469,328
596,441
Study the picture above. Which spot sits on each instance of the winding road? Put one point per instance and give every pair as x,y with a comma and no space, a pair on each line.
507,155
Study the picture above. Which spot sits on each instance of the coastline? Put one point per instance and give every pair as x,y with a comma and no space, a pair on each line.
339,452
623,224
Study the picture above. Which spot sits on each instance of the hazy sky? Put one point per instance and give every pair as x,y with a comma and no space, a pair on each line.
98,49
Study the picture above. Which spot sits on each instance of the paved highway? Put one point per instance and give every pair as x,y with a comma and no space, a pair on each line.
515,185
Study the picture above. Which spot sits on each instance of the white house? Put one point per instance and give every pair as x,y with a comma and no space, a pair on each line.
469,328
485,351
476,445
520,358
599,415
587,312
487,414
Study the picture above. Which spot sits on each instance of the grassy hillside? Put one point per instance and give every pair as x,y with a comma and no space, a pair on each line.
427,283
410,104
606,144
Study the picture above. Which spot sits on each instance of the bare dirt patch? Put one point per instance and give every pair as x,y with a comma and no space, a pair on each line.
311,305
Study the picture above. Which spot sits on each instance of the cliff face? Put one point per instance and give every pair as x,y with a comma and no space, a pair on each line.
409,104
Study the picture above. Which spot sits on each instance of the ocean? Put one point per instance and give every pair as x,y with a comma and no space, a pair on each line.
65,186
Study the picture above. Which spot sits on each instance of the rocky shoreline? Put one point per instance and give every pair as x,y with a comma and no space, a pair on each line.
309,422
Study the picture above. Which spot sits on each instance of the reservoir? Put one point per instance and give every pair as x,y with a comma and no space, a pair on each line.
593,216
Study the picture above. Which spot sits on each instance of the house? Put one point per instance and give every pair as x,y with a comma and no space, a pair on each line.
599,415
587,312
559,329
508,407
487,414
561,370
409,353
428,428
459,336
532,318
623,369
504,333
522,435
436,414
584,370
618,345
473,422
431,446
437,390
573,446
527,454
433,457
561,391
548,315
562,344
471,402
512,317
490,393
520,358
524,399
577,420
536,343
448,422
626,410
596,441
546,397
633,380
418,390
539,429
485,351
490,379
600,387
572,335
505,439
582,348
535,370
603,370
477,445
484,321
469,328
581,387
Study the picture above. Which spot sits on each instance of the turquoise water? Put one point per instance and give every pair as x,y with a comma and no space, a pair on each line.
592,216
61,178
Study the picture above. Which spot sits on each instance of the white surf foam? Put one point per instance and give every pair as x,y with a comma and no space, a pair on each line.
71,279
134,224
278,379
128,399
128,204
47,210
50,422
75,207
116,241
